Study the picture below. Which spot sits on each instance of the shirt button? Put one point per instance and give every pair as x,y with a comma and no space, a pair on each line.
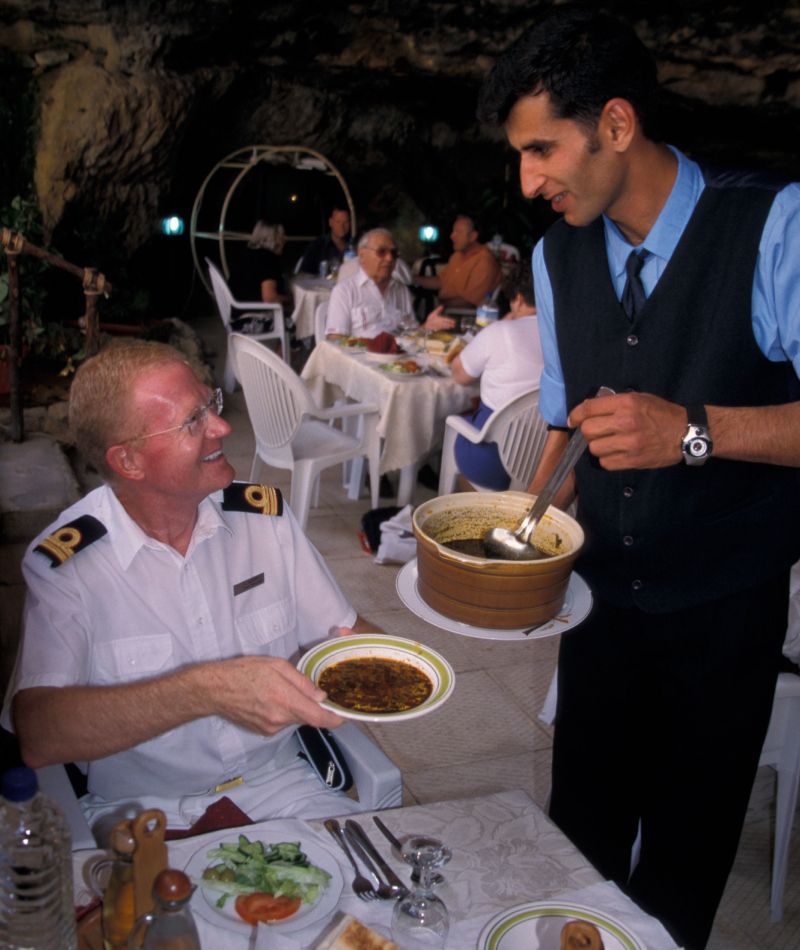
627,491
633,339
627,540
636,585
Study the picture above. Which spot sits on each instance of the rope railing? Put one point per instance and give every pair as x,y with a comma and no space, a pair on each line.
94,284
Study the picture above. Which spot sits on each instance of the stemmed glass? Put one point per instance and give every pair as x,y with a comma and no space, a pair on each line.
420,919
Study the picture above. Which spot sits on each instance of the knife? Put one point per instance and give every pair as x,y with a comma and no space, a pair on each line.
388,835
360,835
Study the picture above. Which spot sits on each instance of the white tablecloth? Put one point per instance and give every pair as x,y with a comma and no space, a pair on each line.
505,852
308,293
413,410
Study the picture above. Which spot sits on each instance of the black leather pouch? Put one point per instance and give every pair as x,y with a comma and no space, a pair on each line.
322,752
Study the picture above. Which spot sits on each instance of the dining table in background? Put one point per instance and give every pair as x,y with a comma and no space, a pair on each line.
308,293
506,852
413,409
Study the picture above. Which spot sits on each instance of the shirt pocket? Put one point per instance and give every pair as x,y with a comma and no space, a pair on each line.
134,657
269,631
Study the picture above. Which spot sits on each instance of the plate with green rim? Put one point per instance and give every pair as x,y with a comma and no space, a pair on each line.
382,646
538,926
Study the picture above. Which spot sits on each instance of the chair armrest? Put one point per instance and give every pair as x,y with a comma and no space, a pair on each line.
350,409
54,781
466,428
378,780
253,305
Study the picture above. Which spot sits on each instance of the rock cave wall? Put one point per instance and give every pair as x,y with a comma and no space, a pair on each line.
135,101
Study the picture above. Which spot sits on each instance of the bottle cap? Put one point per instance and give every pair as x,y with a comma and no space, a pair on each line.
19,784
172,887
121,838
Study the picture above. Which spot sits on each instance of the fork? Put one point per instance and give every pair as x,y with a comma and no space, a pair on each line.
362,887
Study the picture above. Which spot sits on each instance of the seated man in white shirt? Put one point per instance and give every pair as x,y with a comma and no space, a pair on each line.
370,302
165,612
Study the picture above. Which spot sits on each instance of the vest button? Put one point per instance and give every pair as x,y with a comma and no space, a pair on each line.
636,585
627,540
633,339
627,491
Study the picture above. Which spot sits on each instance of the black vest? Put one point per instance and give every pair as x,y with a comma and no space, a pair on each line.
675,537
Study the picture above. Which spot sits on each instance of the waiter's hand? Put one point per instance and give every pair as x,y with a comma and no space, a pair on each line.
631,430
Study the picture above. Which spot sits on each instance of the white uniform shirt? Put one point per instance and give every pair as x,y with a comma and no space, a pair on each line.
128,607
358,308
507,356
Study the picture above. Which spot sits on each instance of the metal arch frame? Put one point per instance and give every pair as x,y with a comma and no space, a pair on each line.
247,159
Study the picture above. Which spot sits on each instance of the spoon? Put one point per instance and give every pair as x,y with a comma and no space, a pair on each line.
506,545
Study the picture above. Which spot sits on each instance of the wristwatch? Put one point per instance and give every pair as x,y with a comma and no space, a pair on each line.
696,445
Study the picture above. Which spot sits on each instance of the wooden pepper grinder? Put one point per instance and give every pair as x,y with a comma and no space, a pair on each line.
149,857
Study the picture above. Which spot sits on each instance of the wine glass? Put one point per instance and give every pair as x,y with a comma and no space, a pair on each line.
420,919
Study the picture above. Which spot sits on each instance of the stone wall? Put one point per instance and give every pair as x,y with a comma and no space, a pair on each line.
138,99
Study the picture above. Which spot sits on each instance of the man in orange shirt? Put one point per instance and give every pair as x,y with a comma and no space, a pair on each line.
470,274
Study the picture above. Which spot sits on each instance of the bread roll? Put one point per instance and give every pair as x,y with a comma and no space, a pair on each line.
580,935
351,934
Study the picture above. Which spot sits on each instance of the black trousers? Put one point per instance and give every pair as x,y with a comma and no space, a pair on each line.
661,718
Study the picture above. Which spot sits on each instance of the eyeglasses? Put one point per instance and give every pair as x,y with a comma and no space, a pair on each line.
196,423
384,251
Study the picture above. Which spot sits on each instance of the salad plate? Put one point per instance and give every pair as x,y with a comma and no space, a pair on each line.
389,369
204,900
538,926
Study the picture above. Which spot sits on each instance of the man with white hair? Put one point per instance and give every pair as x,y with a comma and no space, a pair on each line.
370,302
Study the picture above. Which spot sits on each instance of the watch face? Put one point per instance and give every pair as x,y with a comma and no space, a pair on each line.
698,448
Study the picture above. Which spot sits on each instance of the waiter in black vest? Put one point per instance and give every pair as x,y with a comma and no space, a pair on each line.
677,288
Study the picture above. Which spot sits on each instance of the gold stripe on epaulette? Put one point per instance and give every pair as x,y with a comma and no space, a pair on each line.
61,544
262,497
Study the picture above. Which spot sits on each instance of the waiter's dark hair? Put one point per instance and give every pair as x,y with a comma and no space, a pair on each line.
581,58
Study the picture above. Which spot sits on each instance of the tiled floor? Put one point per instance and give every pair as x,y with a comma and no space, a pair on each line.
487,737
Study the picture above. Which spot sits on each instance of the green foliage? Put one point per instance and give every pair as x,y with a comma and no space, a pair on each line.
39,337
504,210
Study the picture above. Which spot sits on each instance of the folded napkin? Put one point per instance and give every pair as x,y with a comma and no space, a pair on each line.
398,544
219,815
383,343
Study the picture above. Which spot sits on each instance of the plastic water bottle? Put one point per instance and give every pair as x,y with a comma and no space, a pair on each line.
36,909
494,244
349,252
487,312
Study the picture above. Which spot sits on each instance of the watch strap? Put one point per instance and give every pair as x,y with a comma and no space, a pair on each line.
697,415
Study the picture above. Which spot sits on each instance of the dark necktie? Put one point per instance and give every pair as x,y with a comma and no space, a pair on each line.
633,296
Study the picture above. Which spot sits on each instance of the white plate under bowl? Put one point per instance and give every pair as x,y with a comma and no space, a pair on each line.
538,926
382,646
389,372
204,901
576,607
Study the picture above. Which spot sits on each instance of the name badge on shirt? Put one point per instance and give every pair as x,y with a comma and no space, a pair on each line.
249,584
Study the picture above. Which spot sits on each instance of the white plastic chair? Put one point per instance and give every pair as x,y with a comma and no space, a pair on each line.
511,252
320,320
377,779
292,432
225,305
517,428
781,750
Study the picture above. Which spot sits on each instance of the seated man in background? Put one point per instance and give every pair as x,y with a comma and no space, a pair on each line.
165,610
470,274
370,302
507,358
329,247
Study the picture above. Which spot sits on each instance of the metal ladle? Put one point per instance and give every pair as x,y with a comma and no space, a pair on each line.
506,545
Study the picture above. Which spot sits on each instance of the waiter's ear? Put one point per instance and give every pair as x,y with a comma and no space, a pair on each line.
618,123
125,462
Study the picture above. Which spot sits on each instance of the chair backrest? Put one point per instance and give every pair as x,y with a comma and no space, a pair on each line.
276,397
511,252
520,433
320,321
222,294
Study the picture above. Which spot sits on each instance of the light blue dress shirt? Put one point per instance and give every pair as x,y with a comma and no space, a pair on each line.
776,286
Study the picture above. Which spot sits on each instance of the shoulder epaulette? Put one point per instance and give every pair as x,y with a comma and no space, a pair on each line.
260,499
71,538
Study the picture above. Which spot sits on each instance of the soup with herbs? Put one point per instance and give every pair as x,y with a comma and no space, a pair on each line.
375,685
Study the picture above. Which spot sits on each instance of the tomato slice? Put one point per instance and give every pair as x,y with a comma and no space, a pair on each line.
253,908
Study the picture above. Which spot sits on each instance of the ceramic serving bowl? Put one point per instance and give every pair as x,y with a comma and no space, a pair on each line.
491,593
